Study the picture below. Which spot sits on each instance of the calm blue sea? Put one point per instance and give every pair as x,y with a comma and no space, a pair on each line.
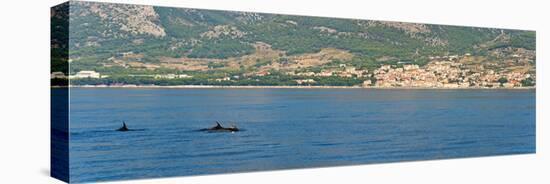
287,128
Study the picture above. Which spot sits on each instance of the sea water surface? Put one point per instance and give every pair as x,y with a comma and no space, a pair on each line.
287,128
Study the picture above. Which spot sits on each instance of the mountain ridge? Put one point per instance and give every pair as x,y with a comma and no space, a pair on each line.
141,39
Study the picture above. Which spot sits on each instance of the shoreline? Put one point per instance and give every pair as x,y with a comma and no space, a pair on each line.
284,87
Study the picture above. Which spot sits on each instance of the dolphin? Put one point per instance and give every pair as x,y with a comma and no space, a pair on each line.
124,128
220,128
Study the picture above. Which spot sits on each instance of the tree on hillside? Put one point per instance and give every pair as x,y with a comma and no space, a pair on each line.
502,80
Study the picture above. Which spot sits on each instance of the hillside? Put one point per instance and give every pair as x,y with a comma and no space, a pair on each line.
130,40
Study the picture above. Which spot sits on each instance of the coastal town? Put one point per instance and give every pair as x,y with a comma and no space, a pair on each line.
441,72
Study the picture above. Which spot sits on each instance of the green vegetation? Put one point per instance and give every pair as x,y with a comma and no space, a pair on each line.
59,39
184,29
528,82
222,48
98,43
502,80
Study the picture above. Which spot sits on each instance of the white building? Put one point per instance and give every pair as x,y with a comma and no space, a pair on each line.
411,67
166,76
182,76
223,79
58,75
305,81
367,83
172,76
87,74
